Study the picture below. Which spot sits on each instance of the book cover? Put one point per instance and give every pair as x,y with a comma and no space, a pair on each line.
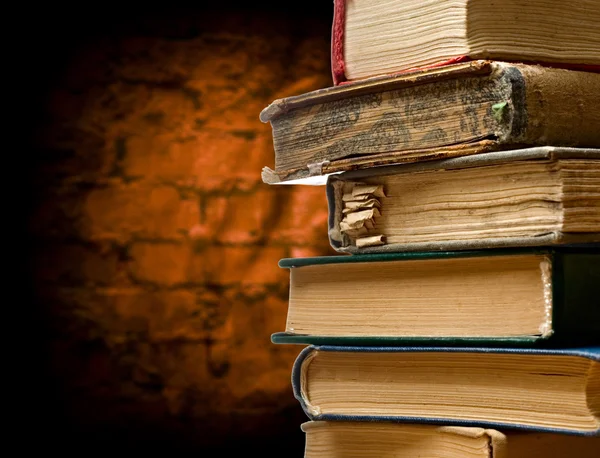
370,39
538,390
520,297
450,111
525,197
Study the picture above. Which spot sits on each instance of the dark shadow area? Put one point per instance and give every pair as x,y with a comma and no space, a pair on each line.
61,418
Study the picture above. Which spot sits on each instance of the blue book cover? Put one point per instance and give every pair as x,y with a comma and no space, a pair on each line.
544,390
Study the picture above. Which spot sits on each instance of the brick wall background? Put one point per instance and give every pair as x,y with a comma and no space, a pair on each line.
154,244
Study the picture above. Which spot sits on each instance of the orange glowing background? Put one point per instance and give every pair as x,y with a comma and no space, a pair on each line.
154,244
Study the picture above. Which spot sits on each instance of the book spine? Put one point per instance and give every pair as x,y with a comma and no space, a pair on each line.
575,292
338,68
298,379
552,106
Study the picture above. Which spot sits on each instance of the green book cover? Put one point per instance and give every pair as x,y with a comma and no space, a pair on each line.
570,282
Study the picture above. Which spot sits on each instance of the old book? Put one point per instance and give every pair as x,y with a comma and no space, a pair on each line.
355,439
543,390
375,37
528,197
519,297
454,110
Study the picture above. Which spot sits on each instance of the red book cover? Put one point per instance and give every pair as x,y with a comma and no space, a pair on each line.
338,69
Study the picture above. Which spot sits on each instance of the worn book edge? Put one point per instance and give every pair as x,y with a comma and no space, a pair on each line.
379,84
536,114
317,173
483,159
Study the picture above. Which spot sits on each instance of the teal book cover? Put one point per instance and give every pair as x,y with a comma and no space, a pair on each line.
509,297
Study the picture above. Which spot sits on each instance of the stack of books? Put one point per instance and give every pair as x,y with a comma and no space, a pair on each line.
459,152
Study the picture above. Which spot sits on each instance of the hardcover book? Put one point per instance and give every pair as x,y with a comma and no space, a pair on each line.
449,111
527,197
352,439
543,390
518,297
376,37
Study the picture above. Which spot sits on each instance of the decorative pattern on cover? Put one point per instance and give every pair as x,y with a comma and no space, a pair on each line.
449,111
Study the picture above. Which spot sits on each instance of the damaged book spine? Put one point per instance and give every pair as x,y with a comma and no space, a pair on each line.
514,198
360,207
